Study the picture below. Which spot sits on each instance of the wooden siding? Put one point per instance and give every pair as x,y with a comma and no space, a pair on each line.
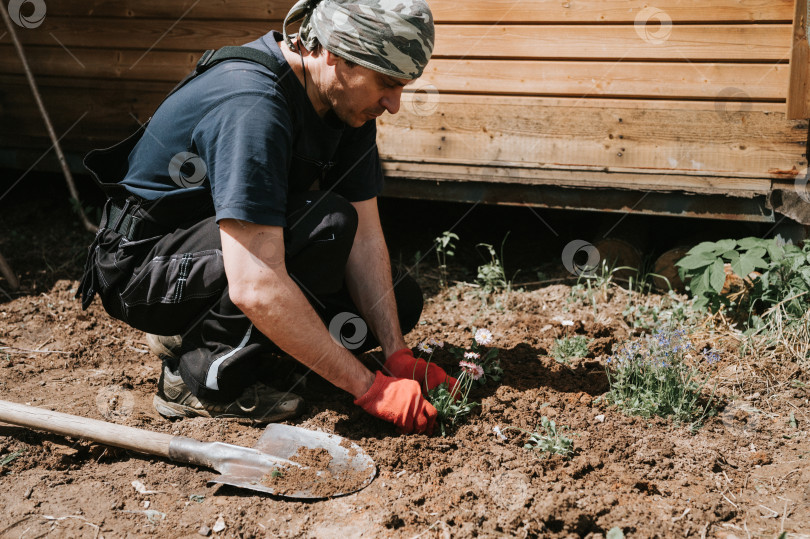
689,96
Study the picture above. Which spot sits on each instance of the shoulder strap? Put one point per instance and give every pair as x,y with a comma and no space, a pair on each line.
212,57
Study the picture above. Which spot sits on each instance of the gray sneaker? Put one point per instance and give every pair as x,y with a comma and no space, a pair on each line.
164,345
259,403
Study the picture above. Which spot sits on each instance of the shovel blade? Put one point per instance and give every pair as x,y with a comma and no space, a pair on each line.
348,468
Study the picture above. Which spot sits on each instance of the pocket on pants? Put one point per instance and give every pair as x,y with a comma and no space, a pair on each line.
169,293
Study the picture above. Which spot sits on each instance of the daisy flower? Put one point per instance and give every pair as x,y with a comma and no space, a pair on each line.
471,355
567,322
483,337
473,369
423,347
434,342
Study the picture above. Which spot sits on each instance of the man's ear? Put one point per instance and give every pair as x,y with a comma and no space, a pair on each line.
331,58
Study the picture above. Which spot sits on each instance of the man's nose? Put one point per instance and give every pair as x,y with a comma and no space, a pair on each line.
391,100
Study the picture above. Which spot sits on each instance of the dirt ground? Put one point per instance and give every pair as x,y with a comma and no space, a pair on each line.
745,473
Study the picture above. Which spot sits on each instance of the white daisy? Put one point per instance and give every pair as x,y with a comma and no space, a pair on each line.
483,337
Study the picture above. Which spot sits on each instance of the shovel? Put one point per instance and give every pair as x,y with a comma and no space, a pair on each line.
274,466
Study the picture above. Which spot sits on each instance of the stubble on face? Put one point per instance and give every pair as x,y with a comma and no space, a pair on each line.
356,93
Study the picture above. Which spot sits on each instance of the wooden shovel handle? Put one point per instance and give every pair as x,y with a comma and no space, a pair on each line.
143,441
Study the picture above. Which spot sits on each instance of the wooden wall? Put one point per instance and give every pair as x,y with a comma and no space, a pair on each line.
686,96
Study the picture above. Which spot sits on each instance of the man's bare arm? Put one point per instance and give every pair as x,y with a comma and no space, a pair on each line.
368,278
260,286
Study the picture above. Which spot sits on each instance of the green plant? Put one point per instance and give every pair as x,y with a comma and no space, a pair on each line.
659,375
570,347
550,442
597,287
703,268
492,276
417,260
10,457
782,288
453,408
444,248
651,311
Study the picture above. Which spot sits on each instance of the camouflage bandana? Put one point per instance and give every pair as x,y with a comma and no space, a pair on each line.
394,37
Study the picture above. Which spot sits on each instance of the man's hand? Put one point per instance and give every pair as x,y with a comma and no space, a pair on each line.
402,364
399,402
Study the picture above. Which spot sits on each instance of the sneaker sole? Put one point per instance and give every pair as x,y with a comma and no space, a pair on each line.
172,410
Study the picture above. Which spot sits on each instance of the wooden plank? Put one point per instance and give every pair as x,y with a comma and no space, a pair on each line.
755,42
690,42
594,135
143,34
798,101
730,186
591,79
133,65
107,110
507,77
453,11
607,10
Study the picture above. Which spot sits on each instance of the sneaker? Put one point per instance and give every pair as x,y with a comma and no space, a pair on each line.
259,403
164,345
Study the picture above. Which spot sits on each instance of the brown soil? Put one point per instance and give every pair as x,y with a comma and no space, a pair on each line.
744,473
316,477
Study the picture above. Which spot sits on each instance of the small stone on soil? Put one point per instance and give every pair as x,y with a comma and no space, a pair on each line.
219,525
204,530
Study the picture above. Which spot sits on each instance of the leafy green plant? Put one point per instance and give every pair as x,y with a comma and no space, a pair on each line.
551,441
703,268
649,311
444,248
783,284
492,276
453,408
659,375
570,347
597,286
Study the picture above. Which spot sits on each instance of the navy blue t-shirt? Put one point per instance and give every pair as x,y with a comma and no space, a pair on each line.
242,137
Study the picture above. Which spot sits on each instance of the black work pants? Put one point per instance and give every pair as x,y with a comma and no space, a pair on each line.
175,283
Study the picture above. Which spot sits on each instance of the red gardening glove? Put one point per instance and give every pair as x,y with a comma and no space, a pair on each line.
399,402
402,364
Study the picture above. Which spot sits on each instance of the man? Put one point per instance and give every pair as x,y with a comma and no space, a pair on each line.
219,237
